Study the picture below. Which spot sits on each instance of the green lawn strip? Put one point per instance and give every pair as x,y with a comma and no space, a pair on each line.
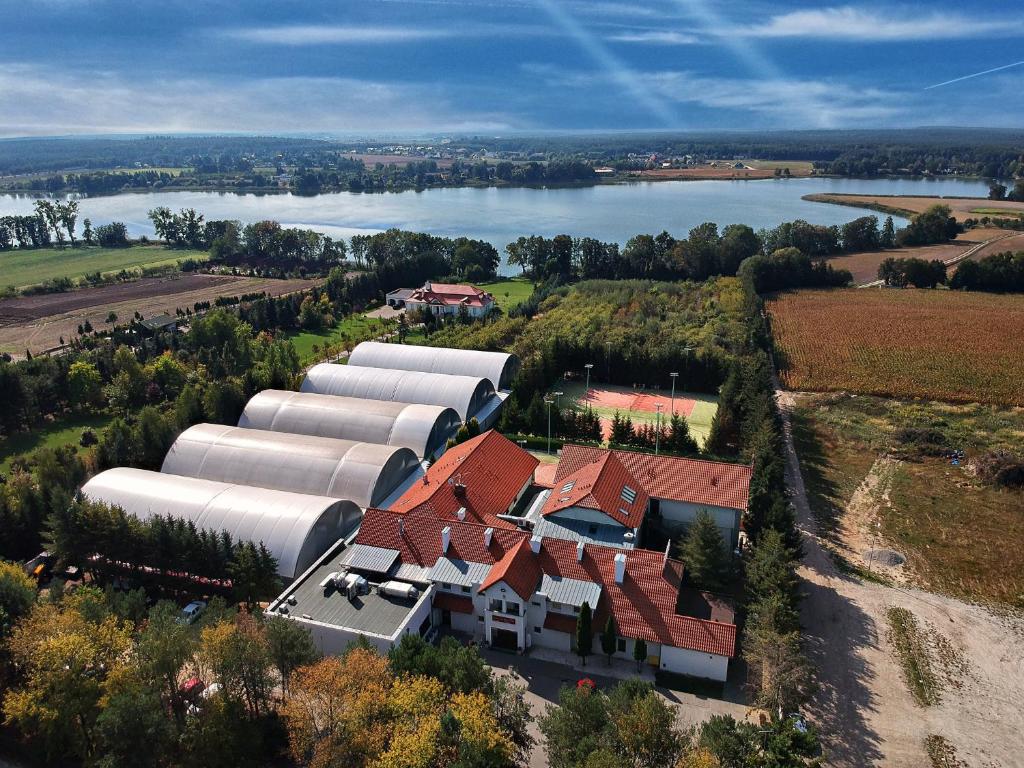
911,647
508,293
66,431
998,212
24,267
354,328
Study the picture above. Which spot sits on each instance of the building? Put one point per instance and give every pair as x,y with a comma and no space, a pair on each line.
678,488
159,323
398,297
499,367
445,299
296,528
364,473
424,429
469,396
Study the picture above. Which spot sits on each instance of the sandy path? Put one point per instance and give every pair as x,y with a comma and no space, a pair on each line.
862,705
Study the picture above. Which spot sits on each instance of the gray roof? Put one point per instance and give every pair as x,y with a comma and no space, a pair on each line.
343,469
499,367
467,395
363,557
421,428
297,528
570,591
566,528
459,572
412,572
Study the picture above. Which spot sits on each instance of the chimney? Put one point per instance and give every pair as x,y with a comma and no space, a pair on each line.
446,537
535,544
462,514
488,535
620,567
579,552
668,548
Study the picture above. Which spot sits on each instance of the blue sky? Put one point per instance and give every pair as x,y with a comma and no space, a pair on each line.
431,66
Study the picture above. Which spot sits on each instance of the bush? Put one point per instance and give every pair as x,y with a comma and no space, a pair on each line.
1002,467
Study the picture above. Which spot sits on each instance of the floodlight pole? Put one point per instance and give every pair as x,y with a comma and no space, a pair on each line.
586,395
608,361
657,429
674,375
548,401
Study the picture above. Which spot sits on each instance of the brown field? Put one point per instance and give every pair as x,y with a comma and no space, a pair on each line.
703,173
37,323
961,207
400,160
942,345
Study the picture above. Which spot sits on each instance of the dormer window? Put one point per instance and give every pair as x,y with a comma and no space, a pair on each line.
628,494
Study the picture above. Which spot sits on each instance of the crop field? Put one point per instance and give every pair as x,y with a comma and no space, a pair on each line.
36,265
899,205
941,345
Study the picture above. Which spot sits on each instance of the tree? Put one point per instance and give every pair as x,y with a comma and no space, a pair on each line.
68,215
48,212
584,632
996,191
770,570
85,387
459,667
610,638
132,730
645,734
639,652
238,654
87,233
17,595
703,552
888,236
780,673
290,645
574,729
164,647
253,572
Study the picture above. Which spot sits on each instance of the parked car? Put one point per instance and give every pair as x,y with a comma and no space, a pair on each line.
192,611
191,689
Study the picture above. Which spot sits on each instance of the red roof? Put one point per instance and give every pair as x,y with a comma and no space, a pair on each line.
603,485
451,294
493,470
716,483
560,622
518,568
454,603
644,605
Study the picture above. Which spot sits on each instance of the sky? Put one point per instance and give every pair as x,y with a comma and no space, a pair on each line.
495,67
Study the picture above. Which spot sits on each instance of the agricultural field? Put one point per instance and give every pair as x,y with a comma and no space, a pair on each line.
37,323
31,266
942,345
879,477
796,167
898,205
641,405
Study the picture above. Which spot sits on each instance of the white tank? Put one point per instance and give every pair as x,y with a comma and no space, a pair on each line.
398,589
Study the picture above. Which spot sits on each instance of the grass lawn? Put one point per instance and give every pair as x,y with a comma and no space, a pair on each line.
61,432
960,536
998,212
699,420
32,266
355,328
508,293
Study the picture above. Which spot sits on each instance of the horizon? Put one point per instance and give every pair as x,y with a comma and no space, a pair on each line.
520,67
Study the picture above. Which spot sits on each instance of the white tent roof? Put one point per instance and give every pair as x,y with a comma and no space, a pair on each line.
422,428
467,395
499,367
296,528
365,473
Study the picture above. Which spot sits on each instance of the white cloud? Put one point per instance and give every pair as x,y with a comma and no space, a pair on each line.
311,34
850,23
43,101
655,37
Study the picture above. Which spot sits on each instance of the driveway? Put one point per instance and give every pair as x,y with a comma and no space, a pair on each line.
862,704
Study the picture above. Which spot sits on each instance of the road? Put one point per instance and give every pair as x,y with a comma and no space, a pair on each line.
956,259
862,705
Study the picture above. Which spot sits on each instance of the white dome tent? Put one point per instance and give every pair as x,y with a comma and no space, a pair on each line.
365,473
422,428
296,528
499,367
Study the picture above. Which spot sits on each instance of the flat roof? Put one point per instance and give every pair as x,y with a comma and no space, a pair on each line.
372,613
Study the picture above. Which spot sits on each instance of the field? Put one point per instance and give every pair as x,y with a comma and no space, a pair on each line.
870,490
960,347
67,431
355,328
796,167
37,323
641,406
33,266
508,293
961,207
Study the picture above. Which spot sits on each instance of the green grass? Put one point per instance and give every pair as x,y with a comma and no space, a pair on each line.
66,431
911,647
699,420
998,212
32,266
508,293
355,328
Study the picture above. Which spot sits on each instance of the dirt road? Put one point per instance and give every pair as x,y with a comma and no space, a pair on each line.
862,704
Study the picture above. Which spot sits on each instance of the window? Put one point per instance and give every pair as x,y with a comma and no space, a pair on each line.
467,590
445,585
620,645
495,604
568,486
628,494
535,603
536,630
512,608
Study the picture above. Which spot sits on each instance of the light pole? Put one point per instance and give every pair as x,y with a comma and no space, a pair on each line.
657,429
608,362
586,395
549,401
674,375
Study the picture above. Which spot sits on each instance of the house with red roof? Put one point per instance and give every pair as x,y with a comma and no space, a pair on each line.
440,299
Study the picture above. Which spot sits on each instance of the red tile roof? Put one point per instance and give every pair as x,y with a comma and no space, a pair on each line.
493,470
644,605
716,483
454,603
600,485
452,294
518,568
560,622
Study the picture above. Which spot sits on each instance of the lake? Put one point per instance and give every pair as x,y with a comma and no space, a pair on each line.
610,212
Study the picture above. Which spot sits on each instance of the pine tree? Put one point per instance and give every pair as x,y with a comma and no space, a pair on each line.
584,633
679,438
888,239
511,416
703,553
639,652
621,435
536,417
610,638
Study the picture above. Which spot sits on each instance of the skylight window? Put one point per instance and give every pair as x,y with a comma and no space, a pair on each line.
628,494
568,486
623,512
